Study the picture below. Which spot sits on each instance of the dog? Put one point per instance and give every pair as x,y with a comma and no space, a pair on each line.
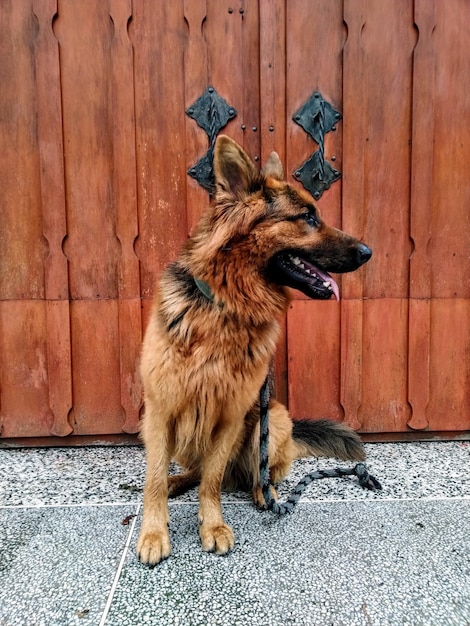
211,338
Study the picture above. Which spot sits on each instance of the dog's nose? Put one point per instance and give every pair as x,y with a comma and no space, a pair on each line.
363,253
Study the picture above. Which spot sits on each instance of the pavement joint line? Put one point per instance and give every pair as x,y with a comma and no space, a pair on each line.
239,502
112,591
338,500
67,505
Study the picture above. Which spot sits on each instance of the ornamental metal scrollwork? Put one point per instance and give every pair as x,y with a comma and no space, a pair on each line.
317,117
212,113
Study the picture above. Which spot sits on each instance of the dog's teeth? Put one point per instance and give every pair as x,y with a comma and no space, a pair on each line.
327,284
296,260
302,266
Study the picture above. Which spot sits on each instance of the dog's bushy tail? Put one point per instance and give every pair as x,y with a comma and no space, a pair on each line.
327,438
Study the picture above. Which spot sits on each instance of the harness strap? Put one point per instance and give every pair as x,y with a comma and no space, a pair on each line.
366,480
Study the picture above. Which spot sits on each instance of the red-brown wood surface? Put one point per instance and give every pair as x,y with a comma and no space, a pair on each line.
196,74
96,199
388,54
392,374
273,130
91,246
448,248
352,319
125,201
422,157
312,327
23,248
54,218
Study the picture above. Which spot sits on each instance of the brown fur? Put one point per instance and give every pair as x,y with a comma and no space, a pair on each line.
204,360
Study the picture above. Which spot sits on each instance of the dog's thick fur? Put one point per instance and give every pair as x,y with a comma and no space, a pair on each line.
212,335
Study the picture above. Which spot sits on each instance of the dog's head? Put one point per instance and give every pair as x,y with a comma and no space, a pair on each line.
281,225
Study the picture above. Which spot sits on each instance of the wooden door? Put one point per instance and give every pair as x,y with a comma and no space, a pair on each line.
96,199
394,355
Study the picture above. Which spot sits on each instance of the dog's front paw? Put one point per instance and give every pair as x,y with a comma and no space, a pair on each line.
153,547
218,539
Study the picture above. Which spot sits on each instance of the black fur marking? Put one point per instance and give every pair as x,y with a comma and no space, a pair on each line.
296,199
302,429
269,196
174,323
329,438
187,284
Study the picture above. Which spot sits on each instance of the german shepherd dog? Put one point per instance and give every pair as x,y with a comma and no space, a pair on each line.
210,340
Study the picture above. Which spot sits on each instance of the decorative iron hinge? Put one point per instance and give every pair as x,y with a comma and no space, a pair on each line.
317,117
315,176
212,113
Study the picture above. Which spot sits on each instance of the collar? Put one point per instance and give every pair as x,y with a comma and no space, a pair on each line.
206,291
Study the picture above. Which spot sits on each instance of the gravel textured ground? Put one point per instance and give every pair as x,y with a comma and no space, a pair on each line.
346,556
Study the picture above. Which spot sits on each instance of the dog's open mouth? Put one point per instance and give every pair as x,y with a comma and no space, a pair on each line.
295,271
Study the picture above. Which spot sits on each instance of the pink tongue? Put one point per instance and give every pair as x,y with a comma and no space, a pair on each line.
325,277
335,288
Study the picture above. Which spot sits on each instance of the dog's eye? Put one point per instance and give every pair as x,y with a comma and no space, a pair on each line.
311,219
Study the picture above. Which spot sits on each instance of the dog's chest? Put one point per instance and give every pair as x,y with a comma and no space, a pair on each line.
237,346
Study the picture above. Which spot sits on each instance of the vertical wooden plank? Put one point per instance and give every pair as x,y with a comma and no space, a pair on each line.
23,361
195,83
85,33
47,73
91,246
422,156
224,35
388,54
385,349
125,200
97,408
272,25
419,361
59,365
352,209
272,59
449,377
449,245
314,388
23,369
50,141
250,54
231,32
314,65
22,246
158,34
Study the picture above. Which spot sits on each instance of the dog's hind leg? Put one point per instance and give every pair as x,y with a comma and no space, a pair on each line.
180,483
153,544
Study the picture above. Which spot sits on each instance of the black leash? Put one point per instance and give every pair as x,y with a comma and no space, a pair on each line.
366,480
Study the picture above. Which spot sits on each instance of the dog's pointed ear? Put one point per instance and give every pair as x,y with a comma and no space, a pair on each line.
234,171
274,167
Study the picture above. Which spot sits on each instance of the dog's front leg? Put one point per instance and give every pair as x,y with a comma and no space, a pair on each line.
153,544
216,535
